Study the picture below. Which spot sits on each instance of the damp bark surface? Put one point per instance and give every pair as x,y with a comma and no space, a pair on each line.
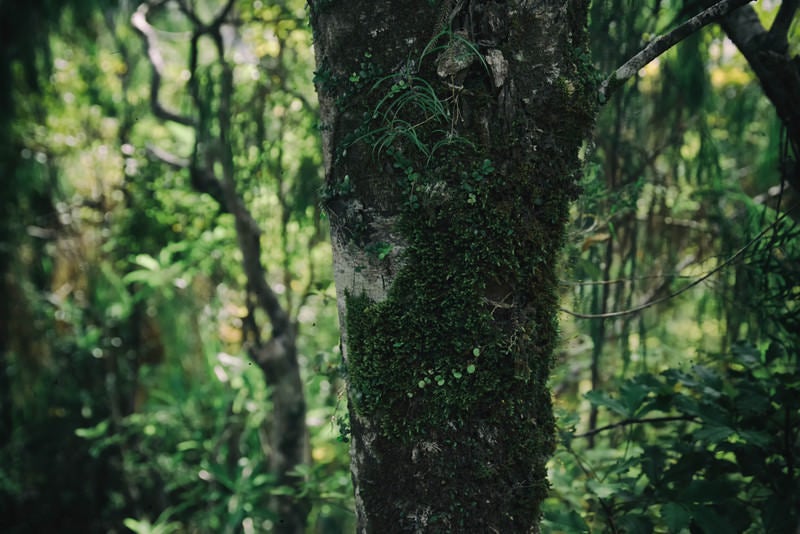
451,133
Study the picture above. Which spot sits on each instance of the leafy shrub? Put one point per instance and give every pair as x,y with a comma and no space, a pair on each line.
702,451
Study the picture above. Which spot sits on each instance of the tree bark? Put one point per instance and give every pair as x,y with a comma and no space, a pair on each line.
451,133
777,70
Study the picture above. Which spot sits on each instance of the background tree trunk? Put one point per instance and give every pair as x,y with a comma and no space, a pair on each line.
286,432
768,54
451,136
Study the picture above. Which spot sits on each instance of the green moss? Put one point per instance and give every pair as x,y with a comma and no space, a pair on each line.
461,349
458,354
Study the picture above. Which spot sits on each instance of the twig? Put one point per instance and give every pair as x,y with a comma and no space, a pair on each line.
215,23
663,43
139,22
164,156
627,422
687,287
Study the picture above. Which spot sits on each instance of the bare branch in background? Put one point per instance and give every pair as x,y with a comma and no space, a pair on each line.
202,173
173,160
139,22
627,422
215,23
212,154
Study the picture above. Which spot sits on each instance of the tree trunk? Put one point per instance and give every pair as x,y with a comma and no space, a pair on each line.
769,55
451,132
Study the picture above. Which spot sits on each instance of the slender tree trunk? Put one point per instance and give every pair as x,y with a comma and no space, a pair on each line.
451,132
769,55
286,432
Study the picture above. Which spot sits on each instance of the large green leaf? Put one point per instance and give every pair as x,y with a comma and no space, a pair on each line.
600,398
675,516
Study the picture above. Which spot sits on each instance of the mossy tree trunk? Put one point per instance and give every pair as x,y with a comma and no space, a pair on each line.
451,132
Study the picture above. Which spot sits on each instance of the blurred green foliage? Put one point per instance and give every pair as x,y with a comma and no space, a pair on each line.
128,400
681,416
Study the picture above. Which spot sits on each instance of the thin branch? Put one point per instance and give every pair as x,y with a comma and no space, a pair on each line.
663,43
223,14
173,160
627,422
215,23
247,229
687,287
191,15
664,286
139,22
783,20
615,281
203,180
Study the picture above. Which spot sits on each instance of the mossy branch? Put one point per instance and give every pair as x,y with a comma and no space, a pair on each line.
663,43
